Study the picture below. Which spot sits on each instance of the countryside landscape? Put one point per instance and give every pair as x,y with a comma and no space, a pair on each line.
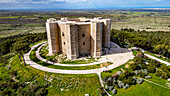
137,63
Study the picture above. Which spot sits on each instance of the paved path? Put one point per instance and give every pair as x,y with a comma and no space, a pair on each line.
167,63
150,56
118,59
59,64
99,75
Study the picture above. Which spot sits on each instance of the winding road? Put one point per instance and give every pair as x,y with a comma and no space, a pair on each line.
118,59
59,64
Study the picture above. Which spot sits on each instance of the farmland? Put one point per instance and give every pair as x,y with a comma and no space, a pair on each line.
19,22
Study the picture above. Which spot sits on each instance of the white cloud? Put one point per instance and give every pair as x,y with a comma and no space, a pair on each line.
6,1
41,1
158,0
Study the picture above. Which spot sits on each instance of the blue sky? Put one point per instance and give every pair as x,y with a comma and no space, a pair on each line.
82,4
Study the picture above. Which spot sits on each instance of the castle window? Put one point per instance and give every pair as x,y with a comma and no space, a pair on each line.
83,35
63,33
83,43
64,43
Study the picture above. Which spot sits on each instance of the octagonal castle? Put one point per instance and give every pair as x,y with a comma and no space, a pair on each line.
78,36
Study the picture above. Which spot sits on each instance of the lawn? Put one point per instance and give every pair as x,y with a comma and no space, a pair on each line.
145,89
44,54
72,85
35,59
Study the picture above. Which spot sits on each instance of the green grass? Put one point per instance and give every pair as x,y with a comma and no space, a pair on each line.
134,52
107,74
35,59
145,89
158,80
44,54
73,85
138,13
37,43
157,56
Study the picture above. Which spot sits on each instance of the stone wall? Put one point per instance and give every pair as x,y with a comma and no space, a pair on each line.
96,38
84,39
63,39
72,41
76,37
52,35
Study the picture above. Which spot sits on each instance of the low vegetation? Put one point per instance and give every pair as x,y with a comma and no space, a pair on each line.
61,58
35,59
155,42
134,72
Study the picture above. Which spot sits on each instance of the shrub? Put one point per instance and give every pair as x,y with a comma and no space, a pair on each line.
155,63
144,66
151,69
109,82
106,87
145,71
127,85
134,66
158,73
136,72
110,88
141,74
130,81
164,75
138,60
148,77
114,91
102,92
140,54
139,81
124,87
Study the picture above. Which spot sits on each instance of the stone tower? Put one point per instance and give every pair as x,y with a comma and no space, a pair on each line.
78,36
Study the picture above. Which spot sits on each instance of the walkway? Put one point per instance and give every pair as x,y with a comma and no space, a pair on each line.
156,84
167,63
59,64
118,59
99,74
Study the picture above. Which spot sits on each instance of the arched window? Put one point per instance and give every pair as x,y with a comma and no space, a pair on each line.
63,33
83,43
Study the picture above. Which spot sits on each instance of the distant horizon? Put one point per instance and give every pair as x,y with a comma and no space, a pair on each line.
81,4
145,8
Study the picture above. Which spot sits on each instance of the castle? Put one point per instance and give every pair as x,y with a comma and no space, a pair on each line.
77,37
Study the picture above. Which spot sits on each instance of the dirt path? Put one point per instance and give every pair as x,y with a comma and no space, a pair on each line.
156,84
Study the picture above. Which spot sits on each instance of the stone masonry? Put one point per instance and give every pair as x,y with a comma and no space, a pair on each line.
78,37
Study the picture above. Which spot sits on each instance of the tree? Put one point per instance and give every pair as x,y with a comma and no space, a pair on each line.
151,68
101,91
20,48
161,48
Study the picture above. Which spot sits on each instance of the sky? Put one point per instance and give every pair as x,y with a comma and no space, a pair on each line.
82,4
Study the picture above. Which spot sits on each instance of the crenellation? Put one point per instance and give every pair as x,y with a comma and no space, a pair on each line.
78,36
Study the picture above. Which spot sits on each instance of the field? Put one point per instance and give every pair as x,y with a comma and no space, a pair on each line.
13,23
72,85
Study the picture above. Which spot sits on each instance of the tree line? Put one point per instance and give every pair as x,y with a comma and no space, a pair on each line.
18,44
155,42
